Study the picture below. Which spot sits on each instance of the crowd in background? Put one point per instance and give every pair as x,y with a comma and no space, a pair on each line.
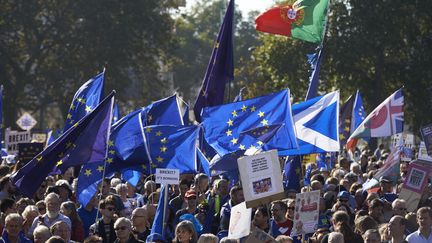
199,209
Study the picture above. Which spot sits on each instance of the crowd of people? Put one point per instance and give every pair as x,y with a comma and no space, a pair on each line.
199,209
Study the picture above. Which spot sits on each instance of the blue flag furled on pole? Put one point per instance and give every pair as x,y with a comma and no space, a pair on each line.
316,122
220,69
315,61
85,100
345,120
159,221
292,173
358,112
223,125
116,112
172,147
84,142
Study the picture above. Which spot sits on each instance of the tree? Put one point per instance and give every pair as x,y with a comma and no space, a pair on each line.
49,48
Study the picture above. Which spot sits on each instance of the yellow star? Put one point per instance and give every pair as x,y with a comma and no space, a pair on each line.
234,113
83,101
264,122
148,129
100,168
260,114
76,124
242,147
244,108
71,122
228,133
88,109
69,116
109,160
163,149
72,106
88,172
234,140
39,158
79,100
260,143
230,122
150,118
153,166
341,136
204,93
163,140
253,108
158,133
159,159
111,152
216,45
252,147
68,144
110,143
144,167
60,162
346,129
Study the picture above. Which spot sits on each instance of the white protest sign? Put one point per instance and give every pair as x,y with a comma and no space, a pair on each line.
306,212
167,176
422,153
26,121
261,178
414,185
13,138
239,225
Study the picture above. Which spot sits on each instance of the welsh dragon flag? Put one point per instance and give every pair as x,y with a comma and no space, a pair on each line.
386,120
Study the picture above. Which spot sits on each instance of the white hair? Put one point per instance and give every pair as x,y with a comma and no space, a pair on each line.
115,182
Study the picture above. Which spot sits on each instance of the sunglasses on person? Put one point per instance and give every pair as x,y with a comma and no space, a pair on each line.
120,228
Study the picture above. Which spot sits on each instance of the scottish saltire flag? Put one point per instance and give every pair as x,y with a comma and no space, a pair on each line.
292,173
116,112
84,142
172,147
315,61
220,69
224,125
345,120
85,100
358,112
387,119
316,123
1,115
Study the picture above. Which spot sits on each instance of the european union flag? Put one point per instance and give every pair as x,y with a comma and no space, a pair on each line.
316,125
85,100
84,142
223,125
163,112
172,147
220,69
345,120
358,112
292,173
315,61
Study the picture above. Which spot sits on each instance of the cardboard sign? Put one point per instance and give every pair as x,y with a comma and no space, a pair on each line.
239,225
306,212
13,138
423,154
167,176
414,185
426,133
261,178
259,236
27,151
39,137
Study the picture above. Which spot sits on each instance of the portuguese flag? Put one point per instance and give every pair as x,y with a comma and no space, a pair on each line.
302,19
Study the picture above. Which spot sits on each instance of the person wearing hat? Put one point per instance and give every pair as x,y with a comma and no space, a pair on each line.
191,205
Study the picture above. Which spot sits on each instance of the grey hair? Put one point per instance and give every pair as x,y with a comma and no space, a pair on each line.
28,209
123,220
14,216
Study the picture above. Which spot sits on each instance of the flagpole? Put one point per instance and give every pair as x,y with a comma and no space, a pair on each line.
106,154
165,206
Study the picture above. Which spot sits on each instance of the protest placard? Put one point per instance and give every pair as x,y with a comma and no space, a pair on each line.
239,225
259,236
261,178
422,153
426,133
13,138
306,212
167,176
414,185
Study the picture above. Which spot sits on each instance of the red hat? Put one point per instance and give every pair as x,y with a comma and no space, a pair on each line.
190,193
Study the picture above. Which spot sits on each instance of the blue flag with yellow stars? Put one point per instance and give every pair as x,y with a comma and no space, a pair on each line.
85,100
172,147
126,149
358,112
220,69
225,125
84,142
292,173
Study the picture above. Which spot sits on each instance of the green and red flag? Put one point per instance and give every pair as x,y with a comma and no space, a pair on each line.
302,19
